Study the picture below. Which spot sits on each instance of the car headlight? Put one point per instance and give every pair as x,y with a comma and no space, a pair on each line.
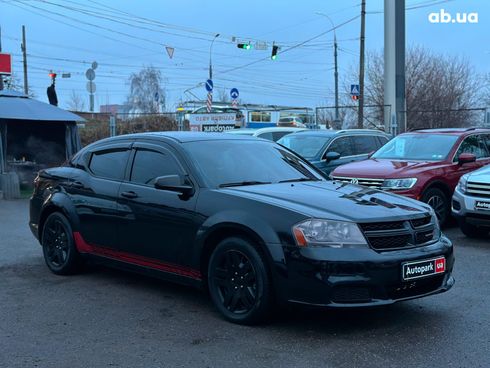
406,183
463,183
437,227
328,233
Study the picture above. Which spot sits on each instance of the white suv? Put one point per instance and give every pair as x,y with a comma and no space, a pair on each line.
471,202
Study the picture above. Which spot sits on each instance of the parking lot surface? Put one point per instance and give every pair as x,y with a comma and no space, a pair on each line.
109,318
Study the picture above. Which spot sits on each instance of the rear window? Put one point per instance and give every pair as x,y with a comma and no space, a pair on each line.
109,164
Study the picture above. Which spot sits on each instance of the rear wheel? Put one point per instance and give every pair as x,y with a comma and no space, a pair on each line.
60,253
436,198
239,283
471,231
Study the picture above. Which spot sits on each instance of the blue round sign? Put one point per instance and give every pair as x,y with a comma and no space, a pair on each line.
234,93
209,85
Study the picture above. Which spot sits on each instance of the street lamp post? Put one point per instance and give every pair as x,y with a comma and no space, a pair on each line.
209,102
336,72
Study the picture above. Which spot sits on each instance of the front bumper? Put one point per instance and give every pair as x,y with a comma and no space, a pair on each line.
361,277
463,208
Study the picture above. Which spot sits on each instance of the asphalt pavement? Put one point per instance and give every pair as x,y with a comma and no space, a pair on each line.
109,318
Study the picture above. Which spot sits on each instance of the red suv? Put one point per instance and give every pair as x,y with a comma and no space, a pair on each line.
425,165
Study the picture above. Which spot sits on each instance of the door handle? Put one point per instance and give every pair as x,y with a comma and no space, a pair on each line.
77,185
129,194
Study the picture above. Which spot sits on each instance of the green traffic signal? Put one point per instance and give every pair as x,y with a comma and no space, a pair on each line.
274,52
245,46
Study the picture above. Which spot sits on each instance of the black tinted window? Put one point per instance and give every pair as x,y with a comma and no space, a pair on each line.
267,135
278,135
364,144
109,164
382,141
149,165
342,146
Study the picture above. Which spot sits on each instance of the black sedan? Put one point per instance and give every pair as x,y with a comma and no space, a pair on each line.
246,219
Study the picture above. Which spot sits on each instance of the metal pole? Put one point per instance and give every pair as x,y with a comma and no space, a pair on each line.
210,53
1,85
360,116
24,59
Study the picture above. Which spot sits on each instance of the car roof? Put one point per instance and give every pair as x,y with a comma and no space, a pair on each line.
278,129
331,133
453,131
243,131
180,137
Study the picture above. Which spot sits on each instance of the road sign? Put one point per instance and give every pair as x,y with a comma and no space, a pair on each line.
5,64
170,51
94,65
66,75
234,93
209,85
90,74
91,87
354,90
260,45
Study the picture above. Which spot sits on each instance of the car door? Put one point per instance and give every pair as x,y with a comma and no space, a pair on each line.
343,146
94,190
157,224
474,144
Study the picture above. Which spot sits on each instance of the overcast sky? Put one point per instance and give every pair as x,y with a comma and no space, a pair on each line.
68,40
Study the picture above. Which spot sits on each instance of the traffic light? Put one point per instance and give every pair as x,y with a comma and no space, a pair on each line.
52,75
274,52
355,97
245,46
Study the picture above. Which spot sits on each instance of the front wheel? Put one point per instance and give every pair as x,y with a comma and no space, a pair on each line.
239,283
436,198
60,253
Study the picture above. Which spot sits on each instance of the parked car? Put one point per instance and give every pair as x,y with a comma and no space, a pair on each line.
327,149
291,121
424,165
471,202
271,133
243,217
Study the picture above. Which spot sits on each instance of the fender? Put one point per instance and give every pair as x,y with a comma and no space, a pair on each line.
60,201
244,221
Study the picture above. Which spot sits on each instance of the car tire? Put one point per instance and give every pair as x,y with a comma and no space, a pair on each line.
438,200
239,282
471,231
60,253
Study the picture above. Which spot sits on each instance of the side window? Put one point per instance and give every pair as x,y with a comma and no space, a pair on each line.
342,146
364,144
278,135
266,136
149,165
472,144
109,164
382,141
486,142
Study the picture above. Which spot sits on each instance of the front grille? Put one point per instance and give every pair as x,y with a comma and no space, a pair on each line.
478,189
377,226
367,182
392,235
421,221
351,294
389,242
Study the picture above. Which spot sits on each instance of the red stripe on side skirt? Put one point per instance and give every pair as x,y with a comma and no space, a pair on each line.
84,247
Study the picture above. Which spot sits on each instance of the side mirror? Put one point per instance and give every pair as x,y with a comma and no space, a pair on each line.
332,156
174,183
466,158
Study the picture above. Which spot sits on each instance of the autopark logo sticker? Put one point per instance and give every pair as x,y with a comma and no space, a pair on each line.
445,17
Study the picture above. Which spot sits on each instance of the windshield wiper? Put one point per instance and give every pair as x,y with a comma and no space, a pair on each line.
242,183
298,179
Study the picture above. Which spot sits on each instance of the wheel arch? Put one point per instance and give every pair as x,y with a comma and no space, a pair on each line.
438,184
59,202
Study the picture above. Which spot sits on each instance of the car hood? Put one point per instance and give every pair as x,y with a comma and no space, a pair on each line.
481,176
384,168
333,200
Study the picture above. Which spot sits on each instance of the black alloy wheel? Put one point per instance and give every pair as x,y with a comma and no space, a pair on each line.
238,282
436,198
58,245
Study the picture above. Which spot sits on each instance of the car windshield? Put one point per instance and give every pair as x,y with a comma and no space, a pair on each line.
236,162
419,147
304,145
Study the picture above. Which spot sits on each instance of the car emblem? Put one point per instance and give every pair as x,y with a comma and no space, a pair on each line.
354,181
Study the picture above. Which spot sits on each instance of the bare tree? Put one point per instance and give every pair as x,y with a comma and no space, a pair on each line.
223,96
147,93
440,90
13,83
75,102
